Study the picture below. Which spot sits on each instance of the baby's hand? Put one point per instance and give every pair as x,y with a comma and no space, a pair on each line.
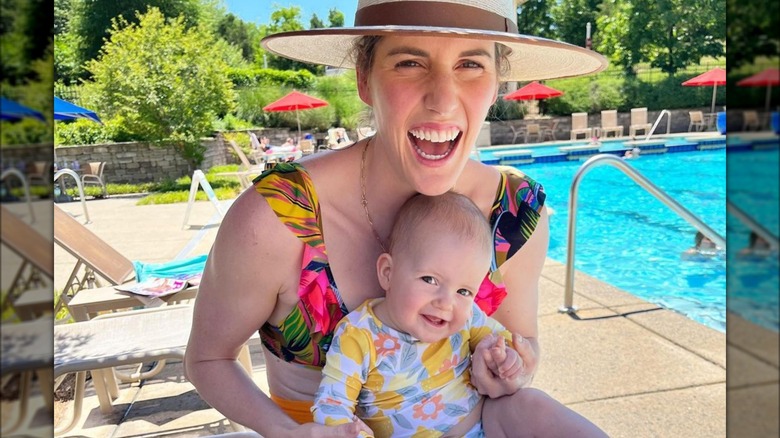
506,362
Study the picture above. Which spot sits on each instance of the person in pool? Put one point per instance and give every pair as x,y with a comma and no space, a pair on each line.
401,362
296,252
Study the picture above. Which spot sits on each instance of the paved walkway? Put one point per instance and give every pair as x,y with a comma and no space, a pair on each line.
633,368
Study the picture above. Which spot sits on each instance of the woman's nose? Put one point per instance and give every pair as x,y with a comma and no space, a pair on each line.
442,94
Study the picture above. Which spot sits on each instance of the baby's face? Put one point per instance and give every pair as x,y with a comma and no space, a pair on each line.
432,286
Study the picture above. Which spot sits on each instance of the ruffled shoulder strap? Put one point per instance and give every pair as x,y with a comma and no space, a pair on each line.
516,210
289,191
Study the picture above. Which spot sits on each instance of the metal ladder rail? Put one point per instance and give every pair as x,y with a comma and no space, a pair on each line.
753,225
603,159
658,120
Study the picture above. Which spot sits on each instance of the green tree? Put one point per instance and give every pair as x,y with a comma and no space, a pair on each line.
534,18
287,20
638,31
91,20
335,18
571,18
233,30
752,31
315,22
162,81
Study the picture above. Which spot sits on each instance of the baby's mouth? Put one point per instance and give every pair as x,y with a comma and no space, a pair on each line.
434,145
437,322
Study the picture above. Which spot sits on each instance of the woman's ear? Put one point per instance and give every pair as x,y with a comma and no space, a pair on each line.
362,85
384,270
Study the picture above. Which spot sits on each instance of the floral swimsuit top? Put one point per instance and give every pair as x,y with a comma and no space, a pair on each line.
305,334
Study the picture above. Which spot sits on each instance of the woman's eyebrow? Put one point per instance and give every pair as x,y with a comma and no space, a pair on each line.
405,50
476,52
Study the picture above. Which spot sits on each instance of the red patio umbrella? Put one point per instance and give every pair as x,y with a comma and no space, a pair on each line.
766,78
533,91
712,78
295,101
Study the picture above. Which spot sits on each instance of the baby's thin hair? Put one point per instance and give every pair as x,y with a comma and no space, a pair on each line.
450,213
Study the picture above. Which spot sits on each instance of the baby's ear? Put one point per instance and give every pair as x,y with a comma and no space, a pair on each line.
384,270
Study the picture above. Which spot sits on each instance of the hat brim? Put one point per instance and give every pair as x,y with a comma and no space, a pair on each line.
532,58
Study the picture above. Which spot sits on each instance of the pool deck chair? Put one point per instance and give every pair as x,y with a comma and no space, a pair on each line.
579,126
609,124
639,122
246,169
534,129
697,121
122,338
93,253
750,121
26,348
35,252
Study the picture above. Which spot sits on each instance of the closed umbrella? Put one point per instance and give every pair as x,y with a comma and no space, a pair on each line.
13,111
712,78
64,110
766,78
295,101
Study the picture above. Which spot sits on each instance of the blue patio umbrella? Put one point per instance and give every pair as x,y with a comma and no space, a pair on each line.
13,111
64,110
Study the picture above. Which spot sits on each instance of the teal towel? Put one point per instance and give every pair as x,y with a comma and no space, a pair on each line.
179,269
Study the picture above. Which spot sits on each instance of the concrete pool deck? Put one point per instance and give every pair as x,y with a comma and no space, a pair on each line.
633,368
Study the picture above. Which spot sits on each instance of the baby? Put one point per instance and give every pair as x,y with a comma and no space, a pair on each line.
401,363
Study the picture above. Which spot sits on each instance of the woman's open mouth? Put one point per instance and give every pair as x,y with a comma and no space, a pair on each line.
434,145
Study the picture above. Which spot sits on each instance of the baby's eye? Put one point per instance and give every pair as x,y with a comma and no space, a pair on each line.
465,292
430,280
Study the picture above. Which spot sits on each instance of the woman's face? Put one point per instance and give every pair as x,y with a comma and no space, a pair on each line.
430,96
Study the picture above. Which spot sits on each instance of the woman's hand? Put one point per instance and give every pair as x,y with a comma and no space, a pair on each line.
491,360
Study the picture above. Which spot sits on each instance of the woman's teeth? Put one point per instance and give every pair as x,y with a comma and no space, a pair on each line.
435,136
435,141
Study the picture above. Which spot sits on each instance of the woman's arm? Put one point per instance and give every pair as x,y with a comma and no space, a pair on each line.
519,310
249,267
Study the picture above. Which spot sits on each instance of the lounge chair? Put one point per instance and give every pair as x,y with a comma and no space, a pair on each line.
40,173
533,129
334,134
750,120
609,124
92,173
26,348
35,251
307,147
83,296
697,121
245,169
118,339
639,122
579,125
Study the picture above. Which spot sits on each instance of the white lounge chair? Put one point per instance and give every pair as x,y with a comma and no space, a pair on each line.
639,122
609,124
579,125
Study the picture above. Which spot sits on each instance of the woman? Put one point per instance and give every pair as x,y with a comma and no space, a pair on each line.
429,71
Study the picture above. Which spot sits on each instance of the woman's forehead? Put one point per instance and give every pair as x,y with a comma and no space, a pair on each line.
432,45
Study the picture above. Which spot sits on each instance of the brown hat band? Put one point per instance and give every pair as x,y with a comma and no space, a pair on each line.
434,14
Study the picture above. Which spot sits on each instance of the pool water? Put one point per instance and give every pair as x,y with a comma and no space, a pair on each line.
753,281
627,238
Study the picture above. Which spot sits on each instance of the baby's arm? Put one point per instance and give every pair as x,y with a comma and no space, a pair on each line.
335,401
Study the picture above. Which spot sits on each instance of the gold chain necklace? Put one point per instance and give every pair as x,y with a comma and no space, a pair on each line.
364,201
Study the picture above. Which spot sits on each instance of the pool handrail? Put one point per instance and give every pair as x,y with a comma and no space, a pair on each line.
754,226
658,120
75,176
25,187
643,182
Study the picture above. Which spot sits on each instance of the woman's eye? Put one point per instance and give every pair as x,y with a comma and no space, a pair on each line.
428,279
408,63
471,64
465,292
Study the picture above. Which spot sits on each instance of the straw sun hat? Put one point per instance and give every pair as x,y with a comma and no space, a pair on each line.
532,57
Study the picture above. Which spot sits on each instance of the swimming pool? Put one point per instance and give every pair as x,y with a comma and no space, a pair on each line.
753,281
629,239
